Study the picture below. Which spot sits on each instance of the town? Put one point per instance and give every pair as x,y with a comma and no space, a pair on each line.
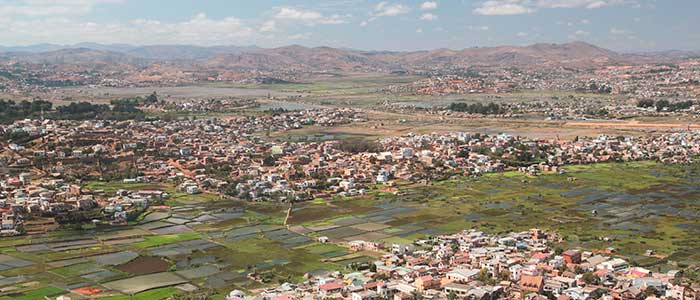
349,150
474,265
230,157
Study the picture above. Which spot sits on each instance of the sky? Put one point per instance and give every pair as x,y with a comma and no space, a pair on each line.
622,25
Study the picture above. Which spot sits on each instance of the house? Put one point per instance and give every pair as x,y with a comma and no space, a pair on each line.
461,290
426,282
615,264
364,295
331,288
647,282
531,283
572,256
462,275
557,285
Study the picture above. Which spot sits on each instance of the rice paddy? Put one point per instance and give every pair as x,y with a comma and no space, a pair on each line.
217,245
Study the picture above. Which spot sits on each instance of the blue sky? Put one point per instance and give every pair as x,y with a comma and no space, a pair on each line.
624,25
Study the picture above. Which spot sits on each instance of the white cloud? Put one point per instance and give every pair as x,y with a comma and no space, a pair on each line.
48,8
299,36
269,25
579,34
199,29
503,8
522,34
477,28
386,9
428,5
419,30
428,17
308,17
618,31
518,7
590,4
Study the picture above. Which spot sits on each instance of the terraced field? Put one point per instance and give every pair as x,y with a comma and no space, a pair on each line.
214,244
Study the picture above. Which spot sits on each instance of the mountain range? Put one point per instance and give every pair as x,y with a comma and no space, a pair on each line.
575,55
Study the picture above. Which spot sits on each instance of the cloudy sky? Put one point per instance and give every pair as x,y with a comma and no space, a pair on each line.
628,25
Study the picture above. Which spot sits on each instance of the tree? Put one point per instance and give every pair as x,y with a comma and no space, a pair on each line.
645,103
590,278
504,275
661,104
269,161
416,295
373,268
452,295
151,99
651,291
484,276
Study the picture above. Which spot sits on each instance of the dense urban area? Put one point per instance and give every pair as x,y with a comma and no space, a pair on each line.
268,174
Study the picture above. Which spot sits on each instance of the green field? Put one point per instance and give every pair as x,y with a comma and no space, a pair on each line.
639,206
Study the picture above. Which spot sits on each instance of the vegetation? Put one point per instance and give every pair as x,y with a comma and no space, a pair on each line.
11,110
160,240
477,108
124,109
665,105
359,145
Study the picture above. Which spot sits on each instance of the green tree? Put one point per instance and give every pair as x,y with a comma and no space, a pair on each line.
452,295
590,278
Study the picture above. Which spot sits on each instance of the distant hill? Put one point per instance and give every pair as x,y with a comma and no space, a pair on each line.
184,52
75,56
574,55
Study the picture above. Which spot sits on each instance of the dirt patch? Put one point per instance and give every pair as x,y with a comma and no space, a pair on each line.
633,124
145,265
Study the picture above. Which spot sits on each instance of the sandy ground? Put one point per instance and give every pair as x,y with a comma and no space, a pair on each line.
634,124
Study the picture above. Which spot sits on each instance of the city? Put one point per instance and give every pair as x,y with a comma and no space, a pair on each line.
356,150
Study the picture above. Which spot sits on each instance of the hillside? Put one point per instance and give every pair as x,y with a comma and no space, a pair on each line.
295,57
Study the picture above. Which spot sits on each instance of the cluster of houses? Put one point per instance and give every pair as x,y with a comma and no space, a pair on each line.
232,156
642,81
23,199
477,266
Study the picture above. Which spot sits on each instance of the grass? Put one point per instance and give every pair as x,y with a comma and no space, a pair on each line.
35,294
160,240
494,202
501,202
154,294
77,269
248,252
175,198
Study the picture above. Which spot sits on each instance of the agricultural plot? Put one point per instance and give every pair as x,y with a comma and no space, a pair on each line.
652,207
113,259
182,248
142,283
34,294
8,262
144,265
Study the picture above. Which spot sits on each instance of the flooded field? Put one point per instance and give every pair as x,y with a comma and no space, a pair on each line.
174,93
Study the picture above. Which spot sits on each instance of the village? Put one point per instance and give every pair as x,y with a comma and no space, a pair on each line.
233,157
478,266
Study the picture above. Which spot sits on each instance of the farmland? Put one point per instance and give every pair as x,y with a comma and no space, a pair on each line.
216,244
